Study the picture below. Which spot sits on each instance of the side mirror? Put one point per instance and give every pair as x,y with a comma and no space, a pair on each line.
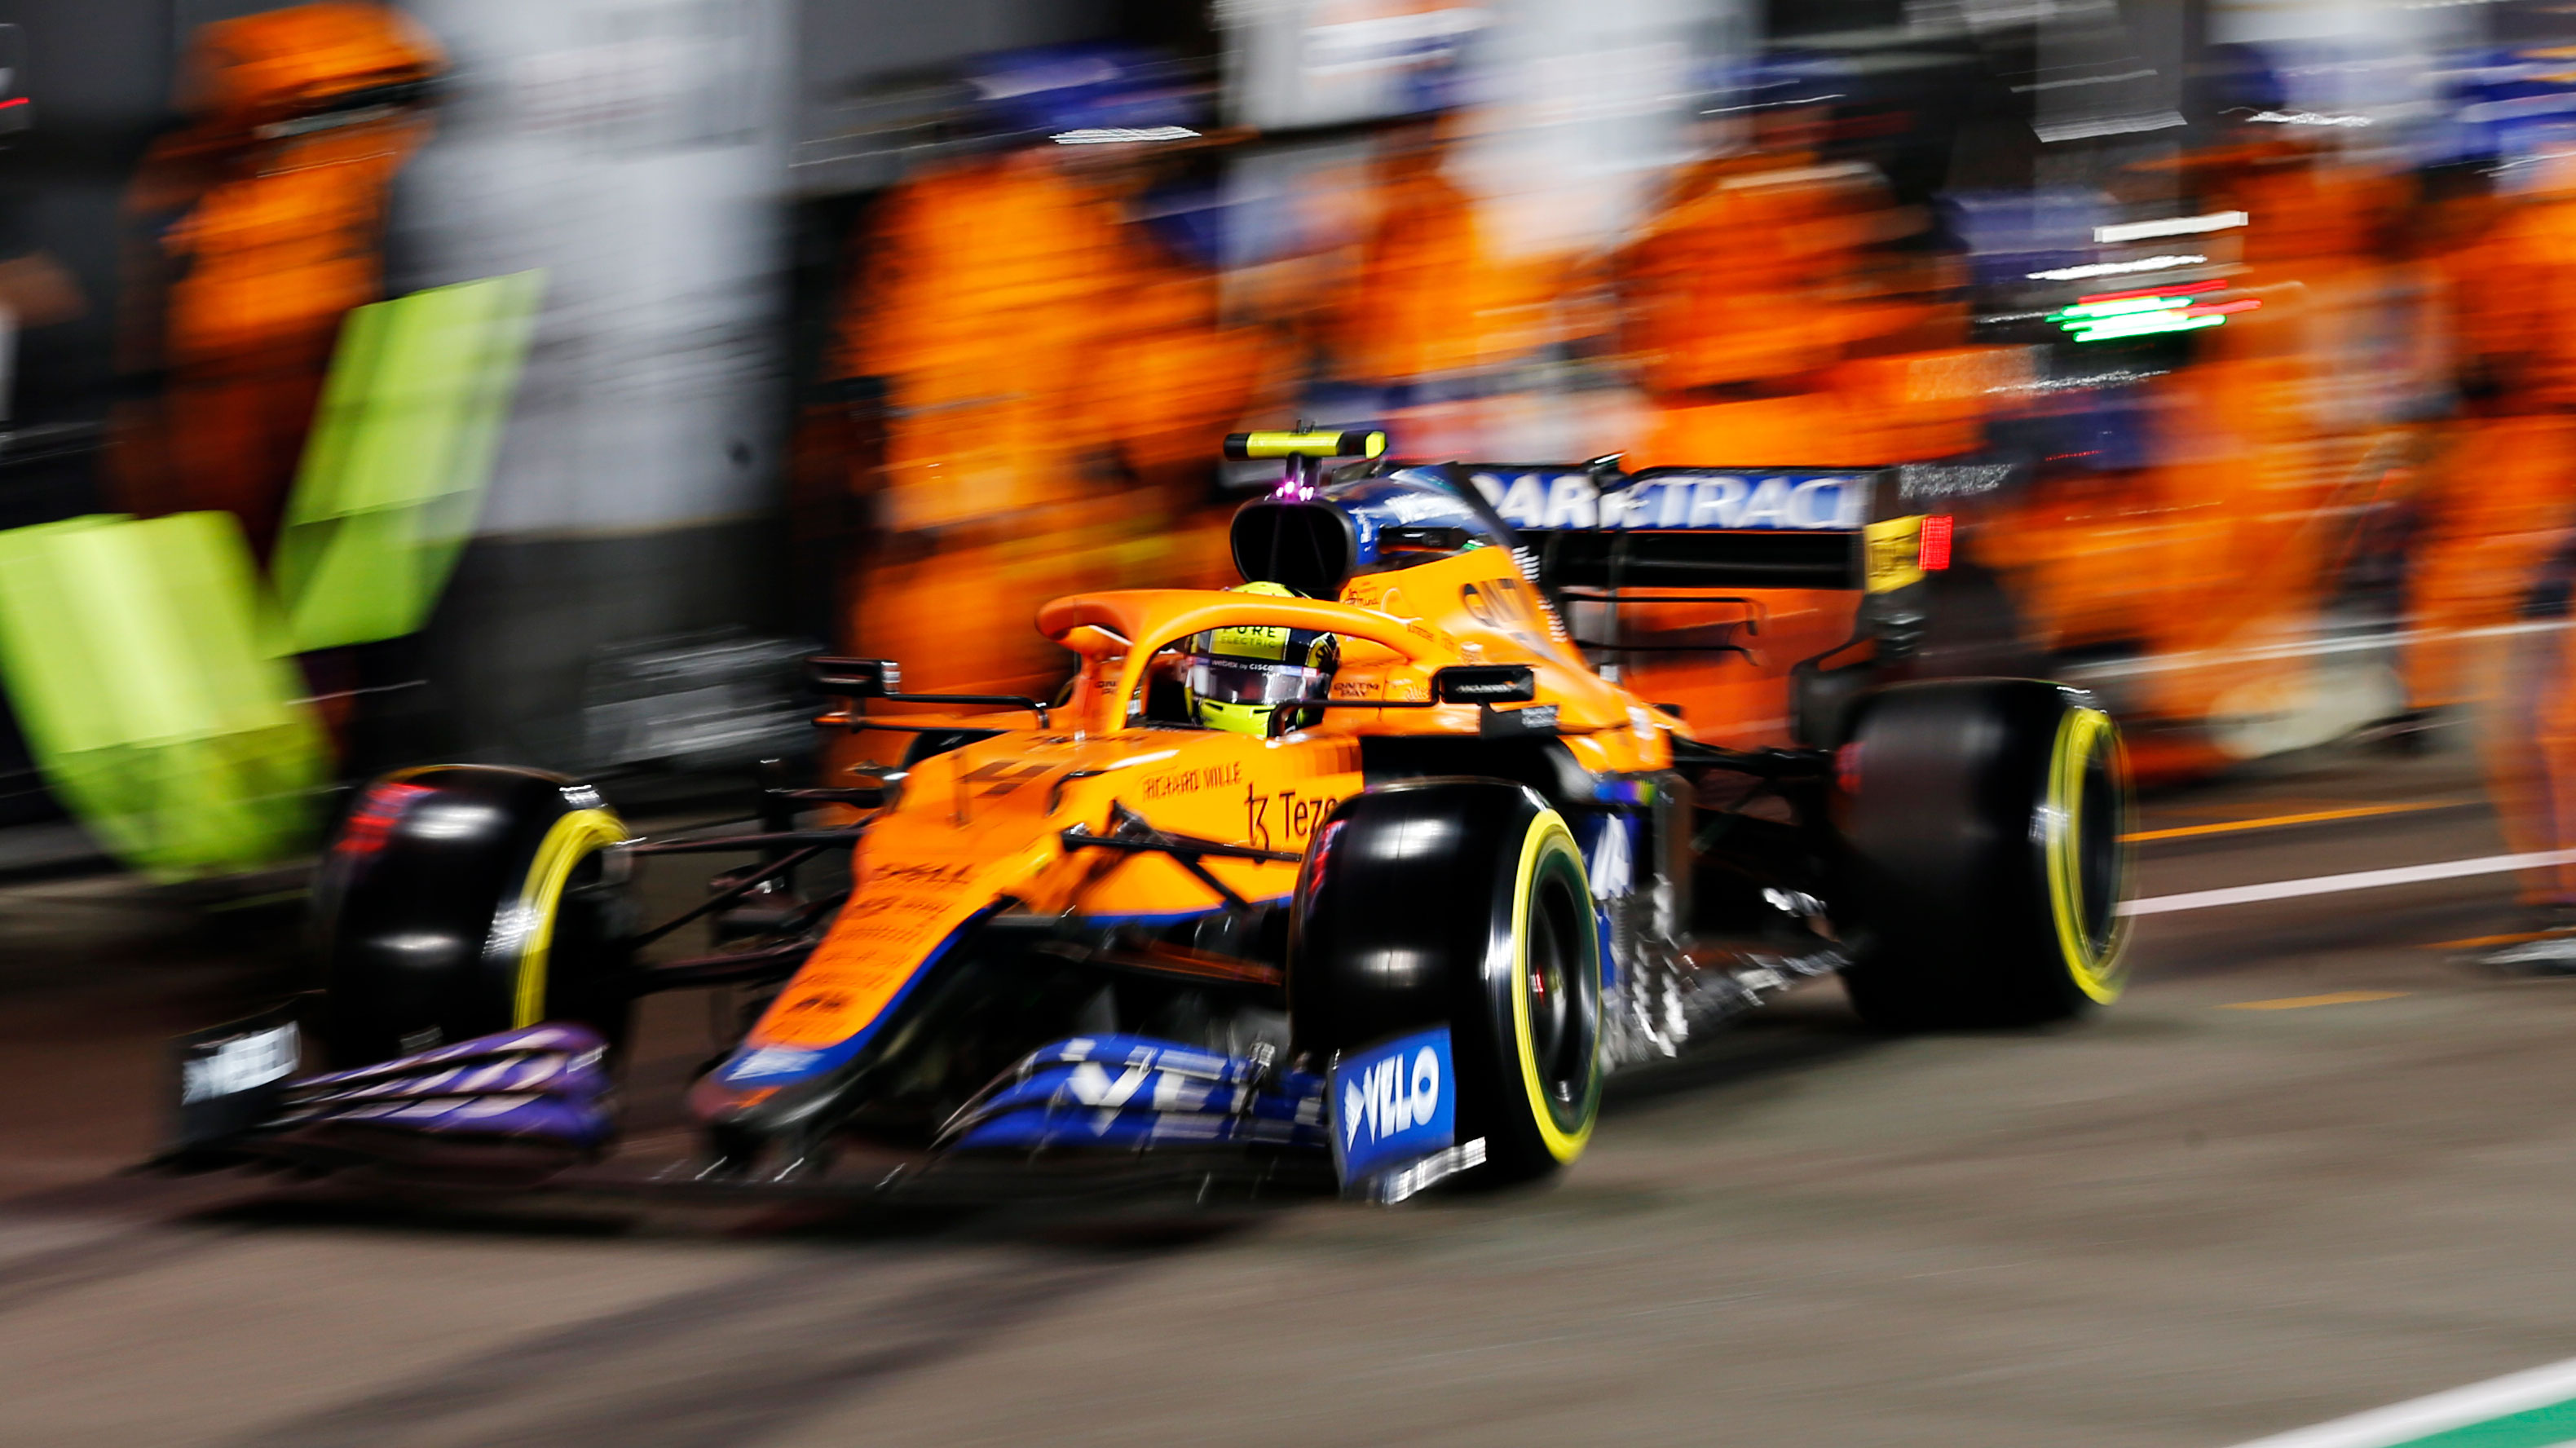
870,787
854,678
1485,684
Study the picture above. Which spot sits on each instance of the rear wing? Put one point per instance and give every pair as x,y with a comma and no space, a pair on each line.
1600,532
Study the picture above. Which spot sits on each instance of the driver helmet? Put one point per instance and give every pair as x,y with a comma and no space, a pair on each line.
1250,678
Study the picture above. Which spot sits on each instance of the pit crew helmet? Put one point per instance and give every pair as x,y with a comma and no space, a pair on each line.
1250,679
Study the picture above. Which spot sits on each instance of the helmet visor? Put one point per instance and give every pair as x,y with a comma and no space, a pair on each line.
1234,681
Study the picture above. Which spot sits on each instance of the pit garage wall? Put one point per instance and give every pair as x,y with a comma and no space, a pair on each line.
632,149
639,151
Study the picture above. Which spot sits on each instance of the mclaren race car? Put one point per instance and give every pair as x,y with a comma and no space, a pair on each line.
1366,872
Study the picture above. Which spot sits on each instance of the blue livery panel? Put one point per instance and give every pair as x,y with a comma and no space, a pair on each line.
1392,1104
1134,1091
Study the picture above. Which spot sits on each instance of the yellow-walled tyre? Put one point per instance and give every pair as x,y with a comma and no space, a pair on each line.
1459,903
461,900
1982,871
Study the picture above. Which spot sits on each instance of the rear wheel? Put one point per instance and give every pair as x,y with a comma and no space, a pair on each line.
1460,903
461,900
1981,821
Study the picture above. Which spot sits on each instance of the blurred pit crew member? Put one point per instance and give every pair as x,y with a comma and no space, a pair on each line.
2500,520
260,226
2216,559
1437,314
1053,374
1771,324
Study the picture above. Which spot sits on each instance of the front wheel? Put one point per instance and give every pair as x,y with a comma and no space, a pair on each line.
1981,822
1459,903
462,900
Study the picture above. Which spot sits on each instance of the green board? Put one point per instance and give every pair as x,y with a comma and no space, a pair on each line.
402,445
152,679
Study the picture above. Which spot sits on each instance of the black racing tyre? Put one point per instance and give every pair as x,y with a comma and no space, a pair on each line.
1459,902
1981,822
460,900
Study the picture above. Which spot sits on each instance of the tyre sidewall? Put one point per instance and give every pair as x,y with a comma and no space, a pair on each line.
440,911
1551,1132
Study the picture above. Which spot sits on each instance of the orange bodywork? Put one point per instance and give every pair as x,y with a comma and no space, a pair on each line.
980,827
1735,700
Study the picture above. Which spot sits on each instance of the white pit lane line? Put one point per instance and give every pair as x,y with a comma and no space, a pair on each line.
2413,1421
2336,884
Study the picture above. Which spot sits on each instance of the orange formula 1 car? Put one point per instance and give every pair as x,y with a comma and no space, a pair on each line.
1362,869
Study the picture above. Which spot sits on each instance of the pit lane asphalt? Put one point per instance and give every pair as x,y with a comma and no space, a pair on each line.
2180,1224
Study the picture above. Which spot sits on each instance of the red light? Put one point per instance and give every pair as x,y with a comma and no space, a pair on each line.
1933,553
371,825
